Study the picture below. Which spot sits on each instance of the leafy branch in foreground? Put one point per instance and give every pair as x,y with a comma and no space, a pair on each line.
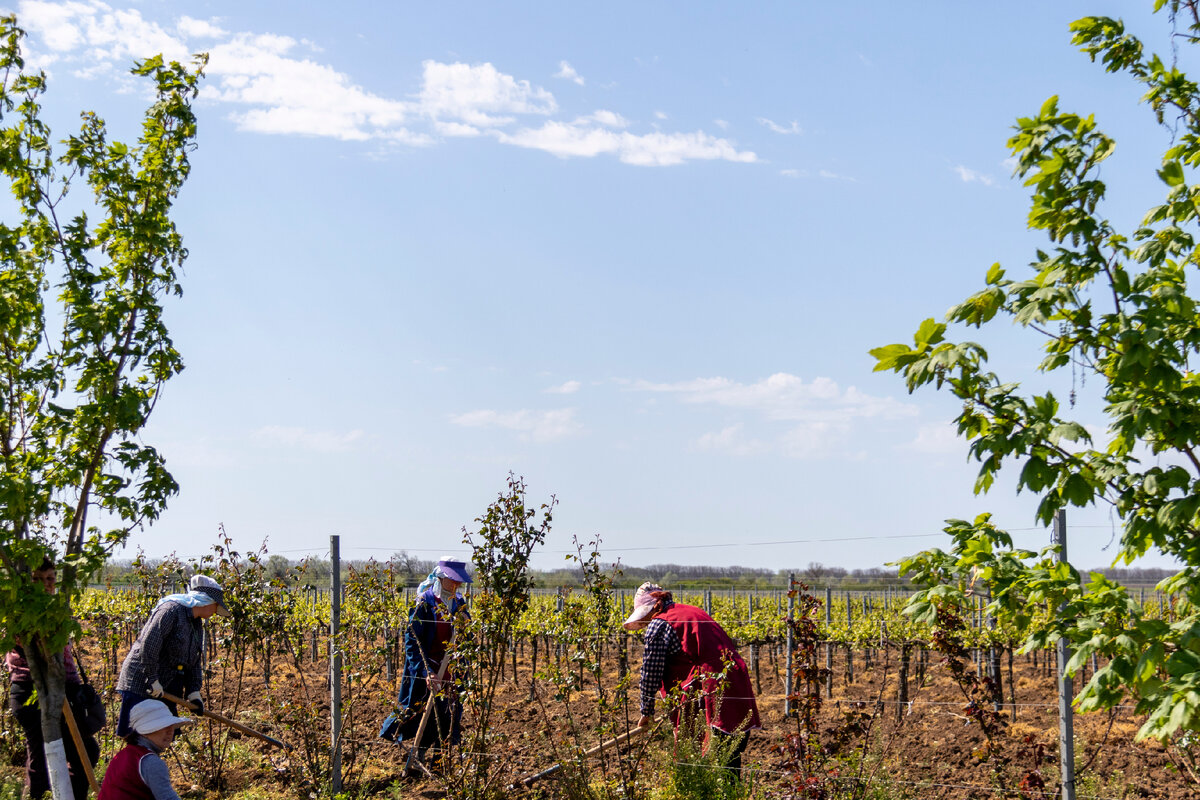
73,402
1116,306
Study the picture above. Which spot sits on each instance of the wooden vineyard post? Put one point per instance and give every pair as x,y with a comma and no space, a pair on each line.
791,617
1066,688
828,642
902,696
335,667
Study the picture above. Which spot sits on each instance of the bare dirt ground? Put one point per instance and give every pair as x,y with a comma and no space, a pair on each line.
924,749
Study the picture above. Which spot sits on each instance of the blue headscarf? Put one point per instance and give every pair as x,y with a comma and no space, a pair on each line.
192,599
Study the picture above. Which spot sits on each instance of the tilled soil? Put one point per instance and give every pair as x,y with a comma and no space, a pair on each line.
928,747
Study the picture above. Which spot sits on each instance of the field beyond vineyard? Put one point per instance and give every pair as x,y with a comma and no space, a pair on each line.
276,680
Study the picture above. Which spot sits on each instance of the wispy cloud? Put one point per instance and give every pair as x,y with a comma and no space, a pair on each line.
305,439
793,173
272,84
834,176
792,129
568,139
785,397
731,440
480,95
939,438
537,426
567,72
200,28
971,176
570,387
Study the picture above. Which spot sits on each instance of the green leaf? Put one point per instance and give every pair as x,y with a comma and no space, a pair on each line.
1171,173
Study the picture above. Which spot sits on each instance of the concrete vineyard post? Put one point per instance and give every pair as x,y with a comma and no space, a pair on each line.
1066,688
335,667
791,642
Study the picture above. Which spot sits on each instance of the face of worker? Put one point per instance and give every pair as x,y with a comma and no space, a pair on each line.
450,586
162,738
48,578
204,612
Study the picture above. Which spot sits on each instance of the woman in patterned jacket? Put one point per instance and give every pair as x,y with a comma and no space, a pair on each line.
168,653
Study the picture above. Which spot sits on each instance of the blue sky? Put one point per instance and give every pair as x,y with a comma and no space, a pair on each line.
636,253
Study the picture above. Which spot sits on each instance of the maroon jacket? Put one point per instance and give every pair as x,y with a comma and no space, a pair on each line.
706,650
122,779
18,667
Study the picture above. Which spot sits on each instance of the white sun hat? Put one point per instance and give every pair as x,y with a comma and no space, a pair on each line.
643,604
149,716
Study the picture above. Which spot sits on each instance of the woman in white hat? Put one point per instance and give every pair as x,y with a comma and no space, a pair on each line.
138,772
169,649
688,650
430,626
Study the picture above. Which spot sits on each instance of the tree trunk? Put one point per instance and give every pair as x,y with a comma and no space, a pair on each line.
50,677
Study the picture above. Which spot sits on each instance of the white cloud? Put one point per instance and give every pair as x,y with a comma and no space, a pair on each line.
786,397
479,95
788,130
939,438
609,119
102,33
818,439
456,129
570,387
835,176
537,426
272,84
732,441
971,176
200,28
567,72
722,124
298,96
793,173
661,115
304,439
652,149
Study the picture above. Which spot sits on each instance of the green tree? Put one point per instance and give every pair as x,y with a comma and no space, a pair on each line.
84,348
1116,305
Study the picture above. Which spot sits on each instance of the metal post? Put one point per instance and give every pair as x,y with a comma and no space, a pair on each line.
787,697
1066,688
335,665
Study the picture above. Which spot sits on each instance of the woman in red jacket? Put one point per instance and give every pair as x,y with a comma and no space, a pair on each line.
686,650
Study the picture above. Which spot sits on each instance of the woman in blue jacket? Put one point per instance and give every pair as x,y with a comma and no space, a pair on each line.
430,628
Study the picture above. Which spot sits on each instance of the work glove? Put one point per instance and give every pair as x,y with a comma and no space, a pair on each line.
197,701
156,689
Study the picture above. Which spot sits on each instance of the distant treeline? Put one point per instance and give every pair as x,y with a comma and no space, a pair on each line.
410,570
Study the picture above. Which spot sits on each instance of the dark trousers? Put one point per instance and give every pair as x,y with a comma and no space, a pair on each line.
733,760
37,778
